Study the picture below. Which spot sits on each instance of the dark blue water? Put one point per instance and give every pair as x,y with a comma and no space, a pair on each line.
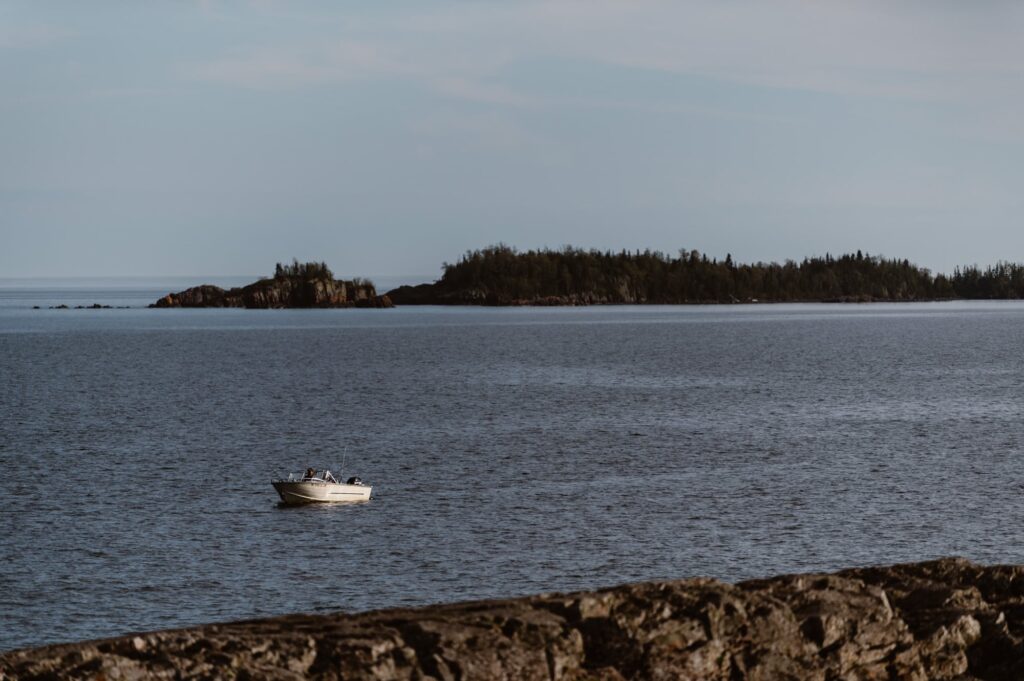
512,451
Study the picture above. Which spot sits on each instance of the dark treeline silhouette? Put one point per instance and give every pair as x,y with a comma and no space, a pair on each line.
1003,280
502,275
304,270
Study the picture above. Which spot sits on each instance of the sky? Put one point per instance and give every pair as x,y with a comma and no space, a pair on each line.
386,138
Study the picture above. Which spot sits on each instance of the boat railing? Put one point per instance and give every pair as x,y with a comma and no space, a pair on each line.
301,477
321,478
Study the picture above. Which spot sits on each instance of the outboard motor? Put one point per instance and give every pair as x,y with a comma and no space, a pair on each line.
354,481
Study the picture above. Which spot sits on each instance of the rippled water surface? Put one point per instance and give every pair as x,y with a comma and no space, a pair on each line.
511,451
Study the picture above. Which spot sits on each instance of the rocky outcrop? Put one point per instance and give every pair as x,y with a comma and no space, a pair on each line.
441,293
436,294
94,306
200,296
947,619
281,292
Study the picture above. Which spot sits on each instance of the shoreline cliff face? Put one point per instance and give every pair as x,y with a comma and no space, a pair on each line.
946,619
281,292
439,294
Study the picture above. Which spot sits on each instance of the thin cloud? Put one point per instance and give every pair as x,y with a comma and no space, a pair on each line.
478,91
342,62
911,51
487,130
283,68
35,36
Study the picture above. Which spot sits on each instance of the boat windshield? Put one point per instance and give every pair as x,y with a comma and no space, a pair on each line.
319,476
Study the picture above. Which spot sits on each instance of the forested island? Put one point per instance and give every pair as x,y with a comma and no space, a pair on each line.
501,275
310,284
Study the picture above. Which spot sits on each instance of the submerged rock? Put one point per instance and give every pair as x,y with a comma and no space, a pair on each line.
946,619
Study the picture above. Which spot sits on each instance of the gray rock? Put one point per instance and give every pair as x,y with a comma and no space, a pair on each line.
946,619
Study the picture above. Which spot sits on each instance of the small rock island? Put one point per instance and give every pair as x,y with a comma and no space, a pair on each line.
299,285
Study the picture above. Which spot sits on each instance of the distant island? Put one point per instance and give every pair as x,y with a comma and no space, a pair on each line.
501,275
310,284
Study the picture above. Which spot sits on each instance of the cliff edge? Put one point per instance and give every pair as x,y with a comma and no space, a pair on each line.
945,619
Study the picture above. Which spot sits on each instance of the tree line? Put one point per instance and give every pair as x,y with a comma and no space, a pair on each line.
304,270
505,275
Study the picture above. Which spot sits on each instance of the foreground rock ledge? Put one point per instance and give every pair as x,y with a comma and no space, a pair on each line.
946,619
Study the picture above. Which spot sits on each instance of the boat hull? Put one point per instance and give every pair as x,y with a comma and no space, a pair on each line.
295,492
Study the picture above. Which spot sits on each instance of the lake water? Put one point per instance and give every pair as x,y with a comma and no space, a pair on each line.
512,451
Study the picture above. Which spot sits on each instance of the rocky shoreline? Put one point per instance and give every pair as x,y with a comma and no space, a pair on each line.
945,619
437,294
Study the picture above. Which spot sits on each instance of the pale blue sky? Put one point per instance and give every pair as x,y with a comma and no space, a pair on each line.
200,138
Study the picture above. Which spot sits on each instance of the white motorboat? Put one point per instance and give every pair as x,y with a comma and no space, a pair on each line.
319,486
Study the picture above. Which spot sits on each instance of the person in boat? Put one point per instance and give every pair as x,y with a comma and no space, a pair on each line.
310,473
